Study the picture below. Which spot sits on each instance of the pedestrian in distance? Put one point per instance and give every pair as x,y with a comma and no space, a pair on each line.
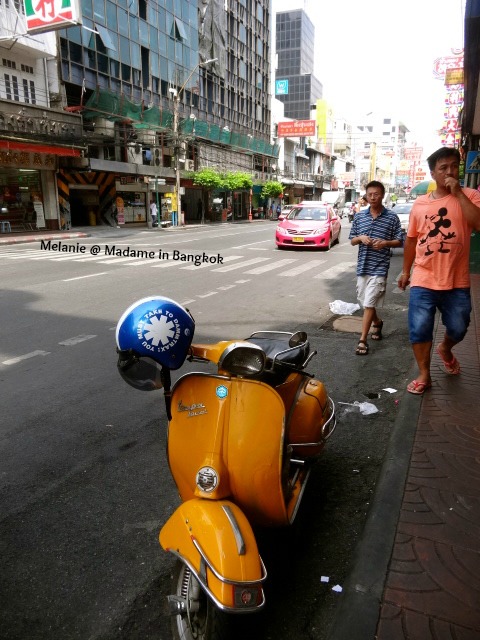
438,247
362,204
154,213
375,230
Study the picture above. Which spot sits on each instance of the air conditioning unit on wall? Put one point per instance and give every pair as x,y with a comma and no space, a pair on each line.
189,165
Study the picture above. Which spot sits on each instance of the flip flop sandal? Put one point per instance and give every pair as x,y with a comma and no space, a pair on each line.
418,388
377,331
452,367
362,348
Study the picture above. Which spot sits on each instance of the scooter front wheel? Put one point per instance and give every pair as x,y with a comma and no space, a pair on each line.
201,620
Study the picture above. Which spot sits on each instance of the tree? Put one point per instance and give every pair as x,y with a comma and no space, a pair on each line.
272,189
237,180
208,179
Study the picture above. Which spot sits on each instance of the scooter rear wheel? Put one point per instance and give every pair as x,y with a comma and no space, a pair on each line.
202,620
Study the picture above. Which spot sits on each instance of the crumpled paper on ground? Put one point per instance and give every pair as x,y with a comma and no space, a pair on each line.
343,308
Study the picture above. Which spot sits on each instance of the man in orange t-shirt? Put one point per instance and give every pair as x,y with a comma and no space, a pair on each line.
438,248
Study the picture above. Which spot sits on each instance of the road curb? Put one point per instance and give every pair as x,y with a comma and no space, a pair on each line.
359,608
56,236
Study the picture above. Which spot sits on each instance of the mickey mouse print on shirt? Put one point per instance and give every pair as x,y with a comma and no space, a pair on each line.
436,239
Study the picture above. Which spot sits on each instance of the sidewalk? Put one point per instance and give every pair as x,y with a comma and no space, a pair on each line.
416,575
16,237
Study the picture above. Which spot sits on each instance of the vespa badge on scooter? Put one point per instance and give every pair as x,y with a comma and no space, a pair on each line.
241,444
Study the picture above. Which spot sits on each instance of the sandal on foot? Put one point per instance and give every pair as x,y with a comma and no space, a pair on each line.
377,331
362,348
451,366
418,388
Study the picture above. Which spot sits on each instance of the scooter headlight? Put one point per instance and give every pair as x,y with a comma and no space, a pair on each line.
242,359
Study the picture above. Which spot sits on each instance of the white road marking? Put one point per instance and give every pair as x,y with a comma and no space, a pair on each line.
117,260
165,264
242,246
241,265
32,354
207,295
270,267
81,338
333,272
92,275
301,268
206,264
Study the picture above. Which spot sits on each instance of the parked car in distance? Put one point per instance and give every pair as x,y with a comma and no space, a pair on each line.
403,212
310,224
285,209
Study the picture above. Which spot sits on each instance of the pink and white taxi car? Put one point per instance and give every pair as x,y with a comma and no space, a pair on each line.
309,224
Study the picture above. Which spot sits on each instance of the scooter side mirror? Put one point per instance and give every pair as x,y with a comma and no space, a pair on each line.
298,338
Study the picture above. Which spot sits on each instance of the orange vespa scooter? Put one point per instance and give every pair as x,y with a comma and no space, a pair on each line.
241,443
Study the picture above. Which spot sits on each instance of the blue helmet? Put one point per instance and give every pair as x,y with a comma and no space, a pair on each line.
157,328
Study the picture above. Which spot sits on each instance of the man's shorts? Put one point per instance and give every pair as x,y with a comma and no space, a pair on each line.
454,305
371,290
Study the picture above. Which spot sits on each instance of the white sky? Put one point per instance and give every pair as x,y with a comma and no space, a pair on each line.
378,55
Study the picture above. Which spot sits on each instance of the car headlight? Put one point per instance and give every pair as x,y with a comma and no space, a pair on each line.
281,230
243,359
320,230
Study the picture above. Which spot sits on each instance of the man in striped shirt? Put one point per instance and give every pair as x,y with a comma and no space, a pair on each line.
376,230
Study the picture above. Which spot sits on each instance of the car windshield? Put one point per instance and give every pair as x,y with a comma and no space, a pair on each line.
308,213
402,208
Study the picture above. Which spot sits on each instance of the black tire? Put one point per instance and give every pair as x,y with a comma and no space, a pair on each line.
205,623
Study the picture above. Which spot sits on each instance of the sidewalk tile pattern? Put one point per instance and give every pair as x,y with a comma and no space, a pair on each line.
432,590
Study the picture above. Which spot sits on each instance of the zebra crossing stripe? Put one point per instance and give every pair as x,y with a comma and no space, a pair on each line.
271,267
203,266
231,267
333,272
301,268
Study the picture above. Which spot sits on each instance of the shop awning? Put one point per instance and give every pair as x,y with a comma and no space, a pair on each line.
31,147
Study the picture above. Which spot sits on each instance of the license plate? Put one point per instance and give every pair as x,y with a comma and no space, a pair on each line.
298,239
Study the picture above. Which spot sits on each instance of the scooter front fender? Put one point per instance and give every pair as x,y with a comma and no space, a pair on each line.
215,540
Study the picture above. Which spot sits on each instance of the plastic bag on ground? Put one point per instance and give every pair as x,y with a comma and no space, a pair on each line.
343,308
366,408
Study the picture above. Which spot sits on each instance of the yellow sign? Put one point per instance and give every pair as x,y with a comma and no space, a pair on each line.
453,76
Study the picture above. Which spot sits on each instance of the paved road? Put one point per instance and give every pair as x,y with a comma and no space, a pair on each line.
84,485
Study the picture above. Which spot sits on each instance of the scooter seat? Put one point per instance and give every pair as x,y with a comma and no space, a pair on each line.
278,350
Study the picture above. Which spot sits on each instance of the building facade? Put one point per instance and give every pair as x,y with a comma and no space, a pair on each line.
132,102
36,134
295,46
163,87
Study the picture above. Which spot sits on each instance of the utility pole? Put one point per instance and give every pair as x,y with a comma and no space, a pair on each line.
176,110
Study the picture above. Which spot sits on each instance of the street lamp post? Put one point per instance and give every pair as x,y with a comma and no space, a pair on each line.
176,106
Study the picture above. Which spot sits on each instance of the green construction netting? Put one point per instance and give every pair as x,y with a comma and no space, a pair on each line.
118,108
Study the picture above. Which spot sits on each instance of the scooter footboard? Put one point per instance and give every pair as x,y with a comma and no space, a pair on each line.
216,542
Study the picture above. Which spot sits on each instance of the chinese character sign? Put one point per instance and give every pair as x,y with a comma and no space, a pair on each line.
48,15
296,128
